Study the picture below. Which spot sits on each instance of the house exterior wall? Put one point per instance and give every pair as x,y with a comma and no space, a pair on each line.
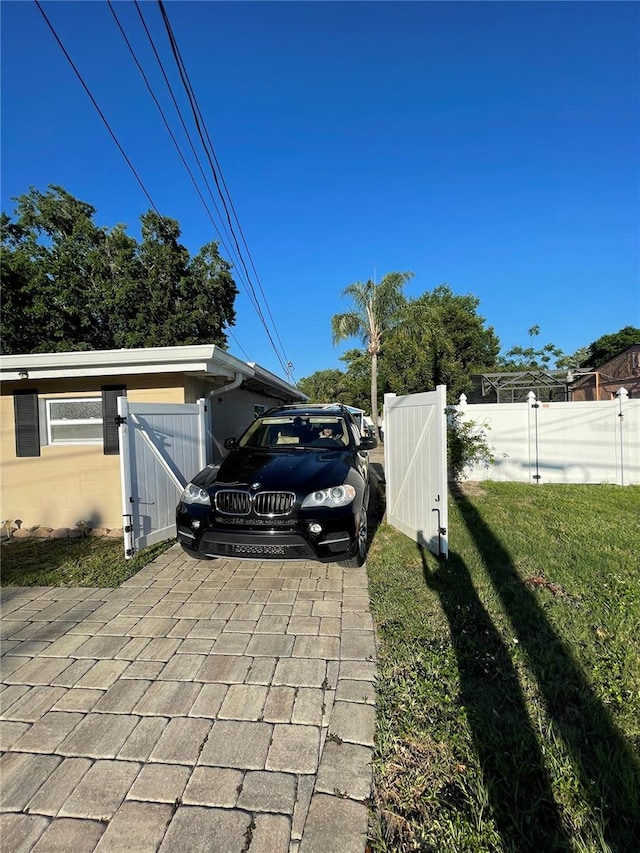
76,482
68,483
623,370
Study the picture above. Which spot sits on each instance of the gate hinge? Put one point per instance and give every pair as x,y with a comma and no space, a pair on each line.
120,420
442,531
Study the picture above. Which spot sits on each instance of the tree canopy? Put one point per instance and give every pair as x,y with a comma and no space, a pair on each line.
439,339
532,357
69,284
436,338
609,346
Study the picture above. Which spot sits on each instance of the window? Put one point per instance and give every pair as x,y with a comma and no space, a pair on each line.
259,410
74,421
67,420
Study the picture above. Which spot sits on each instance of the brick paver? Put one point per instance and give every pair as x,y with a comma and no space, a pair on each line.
212,706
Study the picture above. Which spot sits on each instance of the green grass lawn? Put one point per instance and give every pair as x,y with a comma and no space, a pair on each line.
508,698
71,562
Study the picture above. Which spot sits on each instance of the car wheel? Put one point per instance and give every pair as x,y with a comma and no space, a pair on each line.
361,551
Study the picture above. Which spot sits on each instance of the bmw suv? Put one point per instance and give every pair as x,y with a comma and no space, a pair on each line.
293,486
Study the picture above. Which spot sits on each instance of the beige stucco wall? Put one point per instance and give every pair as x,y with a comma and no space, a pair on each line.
68,483
71,483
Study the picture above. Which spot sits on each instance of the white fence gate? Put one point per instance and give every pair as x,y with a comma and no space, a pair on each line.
162,446
415,455
564,442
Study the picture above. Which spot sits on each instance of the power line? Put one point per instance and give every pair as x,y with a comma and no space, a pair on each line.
186,131
212,158
198,121
224,183
164,118
95,104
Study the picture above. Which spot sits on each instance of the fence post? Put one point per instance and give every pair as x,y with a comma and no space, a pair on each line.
385,418
623,395
533,405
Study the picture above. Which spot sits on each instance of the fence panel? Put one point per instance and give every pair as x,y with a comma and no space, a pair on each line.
415,455
564,442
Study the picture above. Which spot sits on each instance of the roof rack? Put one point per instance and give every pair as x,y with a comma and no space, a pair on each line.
303,405
346,411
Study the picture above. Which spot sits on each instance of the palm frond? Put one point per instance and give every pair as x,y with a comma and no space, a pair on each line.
349,325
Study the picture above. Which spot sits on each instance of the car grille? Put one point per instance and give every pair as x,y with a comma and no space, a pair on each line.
273,503
234,502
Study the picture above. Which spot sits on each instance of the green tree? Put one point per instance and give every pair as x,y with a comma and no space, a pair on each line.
532,358
439,339
325,386
49,259
576,359
357,378
71,285
609,346
375,310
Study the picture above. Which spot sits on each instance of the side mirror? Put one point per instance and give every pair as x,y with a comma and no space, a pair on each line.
230,443
368,442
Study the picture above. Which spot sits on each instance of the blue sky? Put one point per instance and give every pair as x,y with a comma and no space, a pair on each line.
492,146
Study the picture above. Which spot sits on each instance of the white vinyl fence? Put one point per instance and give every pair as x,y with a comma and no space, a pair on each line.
567,442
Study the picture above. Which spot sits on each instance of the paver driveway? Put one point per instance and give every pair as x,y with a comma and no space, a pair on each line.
213,706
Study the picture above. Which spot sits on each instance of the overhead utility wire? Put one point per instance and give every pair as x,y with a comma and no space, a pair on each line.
166,123
95,104
238,344
192,102
239,266
188,135
224,183
286,367
196,113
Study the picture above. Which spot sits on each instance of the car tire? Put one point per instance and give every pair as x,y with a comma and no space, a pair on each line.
361,548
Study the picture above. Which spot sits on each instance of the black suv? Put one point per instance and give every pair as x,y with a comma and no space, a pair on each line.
294,486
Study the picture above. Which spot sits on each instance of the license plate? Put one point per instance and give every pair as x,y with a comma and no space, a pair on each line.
259,550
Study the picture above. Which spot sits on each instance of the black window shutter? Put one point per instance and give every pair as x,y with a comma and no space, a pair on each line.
25,408
110,394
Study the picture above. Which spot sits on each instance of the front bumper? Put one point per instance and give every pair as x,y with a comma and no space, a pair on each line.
337,541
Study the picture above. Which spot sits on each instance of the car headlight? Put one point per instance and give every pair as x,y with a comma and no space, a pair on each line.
195,495
333,497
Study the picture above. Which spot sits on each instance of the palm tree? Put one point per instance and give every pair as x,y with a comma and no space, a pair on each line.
374,311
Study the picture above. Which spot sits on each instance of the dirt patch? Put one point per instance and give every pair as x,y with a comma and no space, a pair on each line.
468,487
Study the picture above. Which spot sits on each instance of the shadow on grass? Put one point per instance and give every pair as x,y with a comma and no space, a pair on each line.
603,761
513,769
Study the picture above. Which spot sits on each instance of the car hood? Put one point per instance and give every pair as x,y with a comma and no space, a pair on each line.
291,469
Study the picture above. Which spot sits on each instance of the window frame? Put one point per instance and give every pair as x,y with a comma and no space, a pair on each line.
49,421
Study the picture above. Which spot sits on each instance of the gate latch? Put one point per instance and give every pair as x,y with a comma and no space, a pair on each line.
120,420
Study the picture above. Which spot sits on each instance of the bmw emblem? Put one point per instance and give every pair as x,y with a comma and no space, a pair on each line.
255,486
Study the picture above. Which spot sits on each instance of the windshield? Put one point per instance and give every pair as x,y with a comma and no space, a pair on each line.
330,432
